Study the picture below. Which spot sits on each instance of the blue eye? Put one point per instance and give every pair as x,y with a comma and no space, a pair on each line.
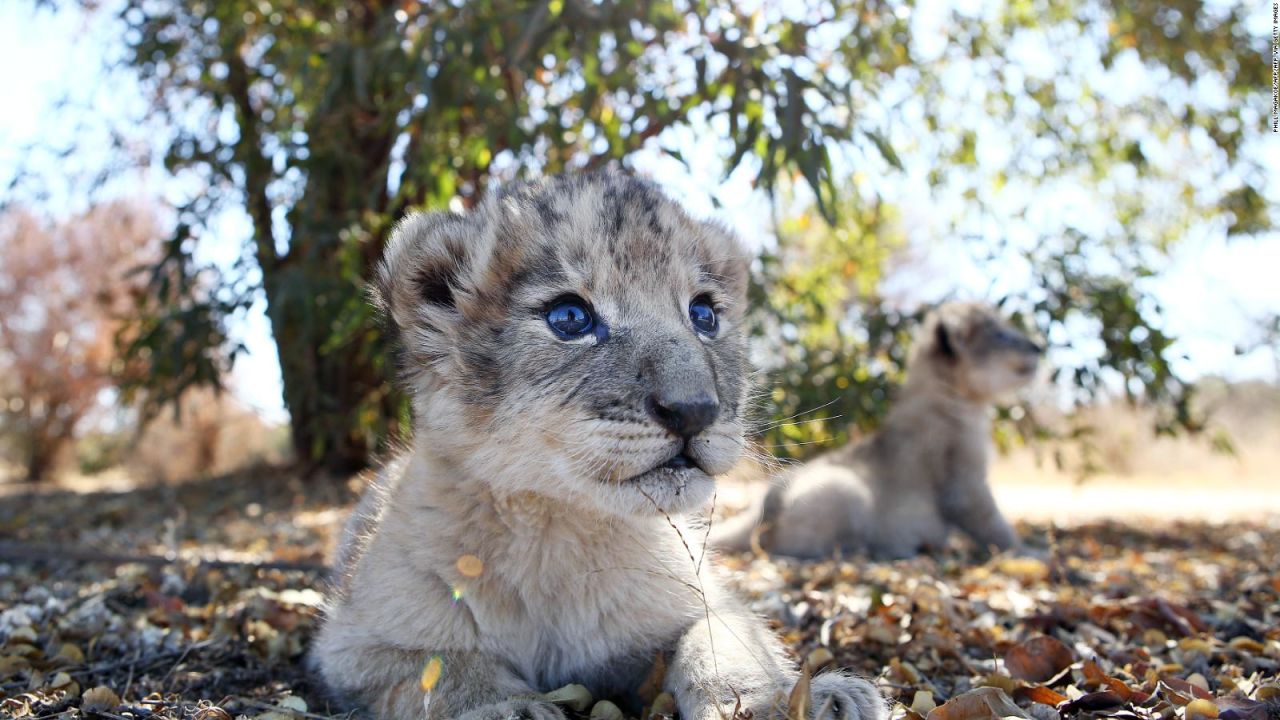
703,316
570,318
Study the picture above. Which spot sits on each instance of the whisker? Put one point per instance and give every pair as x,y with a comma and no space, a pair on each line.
796,444
829,403
799,422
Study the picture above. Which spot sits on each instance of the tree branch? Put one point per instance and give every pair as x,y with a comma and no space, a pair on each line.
257,168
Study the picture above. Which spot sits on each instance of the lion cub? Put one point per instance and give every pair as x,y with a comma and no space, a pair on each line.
578,366
923,472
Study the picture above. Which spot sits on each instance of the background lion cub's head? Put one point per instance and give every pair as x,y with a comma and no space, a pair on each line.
579,337
974,351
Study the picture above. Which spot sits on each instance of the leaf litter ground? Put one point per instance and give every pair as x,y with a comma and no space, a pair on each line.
148,603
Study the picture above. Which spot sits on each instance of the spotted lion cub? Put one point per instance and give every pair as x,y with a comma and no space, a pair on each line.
924,472
578,366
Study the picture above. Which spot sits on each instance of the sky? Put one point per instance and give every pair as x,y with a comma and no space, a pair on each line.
1210,288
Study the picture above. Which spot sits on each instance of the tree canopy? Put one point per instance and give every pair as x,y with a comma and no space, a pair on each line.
326,121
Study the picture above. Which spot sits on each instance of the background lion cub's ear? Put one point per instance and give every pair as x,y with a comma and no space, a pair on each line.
425,270
950,332
942,337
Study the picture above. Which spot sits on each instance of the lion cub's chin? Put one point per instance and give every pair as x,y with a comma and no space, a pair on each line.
661,490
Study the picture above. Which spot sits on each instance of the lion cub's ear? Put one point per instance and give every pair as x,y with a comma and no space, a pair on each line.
942,338
427,269
951,332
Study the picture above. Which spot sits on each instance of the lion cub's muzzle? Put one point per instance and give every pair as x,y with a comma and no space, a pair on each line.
685,416
681,395
682,386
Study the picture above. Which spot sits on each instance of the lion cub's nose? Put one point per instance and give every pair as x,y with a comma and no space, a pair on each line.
684,416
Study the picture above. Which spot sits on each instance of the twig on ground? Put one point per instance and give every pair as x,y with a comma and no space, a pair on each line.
268,706
30,553
128,683
131,662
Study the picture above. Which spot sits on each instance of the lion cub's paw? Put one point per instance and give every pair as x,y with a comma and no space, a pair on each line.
516,710
841,697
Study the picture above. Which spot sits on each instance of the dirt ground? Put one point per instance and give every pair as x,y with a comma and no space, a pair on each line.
1134,611
1209,490
1041,496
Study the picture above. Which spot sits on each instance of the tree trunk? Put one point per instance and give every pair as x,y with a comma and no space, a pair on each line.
335,386
336,389
40,457
324,389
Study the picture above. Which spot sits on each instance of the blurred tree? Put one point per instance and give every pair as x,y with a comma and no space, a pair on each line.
328,120
63,292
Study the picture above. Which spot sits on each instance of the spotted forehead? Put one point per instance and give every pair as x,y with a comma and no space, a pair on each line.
617,236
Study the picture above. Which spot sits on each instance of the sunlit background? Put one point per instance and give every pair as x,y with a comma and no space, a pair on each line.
193,385
1045,156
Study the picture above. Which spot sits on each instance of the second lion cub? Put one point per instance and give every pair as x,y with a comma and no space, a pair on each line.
924,472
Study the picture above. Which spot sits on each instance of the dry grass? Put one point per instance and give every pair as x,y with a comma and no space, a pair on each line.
1145,476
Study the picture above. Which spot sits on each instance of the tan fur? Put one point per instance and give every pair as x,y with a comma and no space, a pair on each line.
526,540
923,473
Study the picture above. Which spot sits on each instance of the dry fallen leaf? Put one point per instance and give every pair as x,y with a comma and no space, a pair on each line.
1092,703
11,664
652,684
982,704
63,682
1235,707
69,653
211,712
1184,688
1003,682
1096,679
1201,708
1199,681
1246,644
573,696
801,698
819,659
1027,569
663,706
605,710
99,699
287,708
1040,694
1038,659
22,634
922,703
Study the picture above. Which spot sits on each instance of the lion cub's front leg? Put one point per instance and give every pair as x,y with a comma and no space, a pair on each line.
467,685
732,661
526,709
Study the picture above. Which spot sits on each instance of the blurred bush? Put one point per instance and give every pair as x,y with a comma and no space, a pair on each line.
65,289
100,450
830,352
210,434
